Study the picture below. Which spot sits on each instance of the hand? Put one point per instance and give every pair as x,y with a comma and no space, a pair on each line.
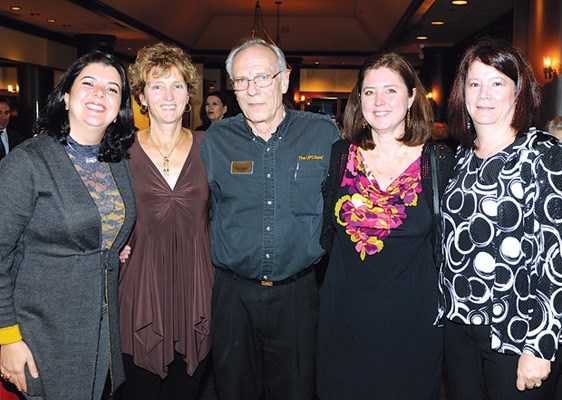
13,358
531,371
124,255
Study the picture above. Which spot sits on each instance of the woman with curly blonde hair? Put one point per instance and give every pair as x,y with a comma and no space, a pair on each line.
166,280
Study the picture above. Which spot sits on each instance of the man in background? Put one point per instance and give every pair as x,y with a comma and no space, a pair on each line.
8,138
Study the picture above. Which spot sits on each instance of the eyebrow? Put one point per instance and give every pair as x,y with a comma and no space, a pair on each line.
96,79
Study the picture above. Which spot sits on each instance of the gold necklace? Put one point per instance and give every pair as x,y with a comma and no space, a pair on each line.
165,158
394,168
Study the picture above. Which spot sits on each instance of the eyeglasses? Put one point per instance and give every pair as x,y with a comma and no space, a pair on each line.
261,80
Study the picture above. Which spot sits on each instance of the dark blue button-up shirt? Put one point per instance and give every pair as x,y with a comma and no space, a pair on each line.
266,199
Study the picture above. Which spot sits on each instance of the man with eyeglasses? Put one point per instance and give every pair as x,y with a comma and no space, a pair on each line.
265,169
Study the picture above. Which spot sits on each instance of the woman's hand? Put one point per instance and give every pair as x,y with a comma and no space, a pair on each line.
125,253
13,358
531,371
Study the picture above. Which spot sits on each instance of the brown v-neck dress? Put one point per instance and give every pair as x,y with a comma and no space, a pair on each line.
165,286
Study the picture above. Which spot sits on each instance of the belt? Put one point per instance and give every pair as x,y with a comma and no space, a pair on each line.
267,283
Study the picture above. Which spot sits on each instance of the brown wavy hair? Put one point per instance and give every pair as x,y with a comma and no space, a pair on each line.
158,59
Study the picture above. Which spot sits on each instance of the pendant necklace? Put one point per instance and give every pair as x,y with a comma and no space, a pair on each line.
399,160
165,158
88,153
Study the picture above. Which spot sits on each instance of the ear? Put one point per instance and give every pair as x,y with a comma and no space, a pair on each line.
412,97
65,97
285,81
142,99
225,110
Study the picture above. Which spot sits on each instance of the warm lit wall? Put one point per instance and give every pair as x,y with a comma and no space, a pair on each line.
18,46
545,40
327,80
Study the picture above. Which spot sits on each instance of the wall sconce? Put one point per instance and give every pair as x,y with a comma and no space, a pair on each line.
13,90
549,71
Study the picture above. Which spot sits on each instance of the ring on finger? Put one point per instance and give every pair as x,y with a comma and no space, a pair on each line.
538,384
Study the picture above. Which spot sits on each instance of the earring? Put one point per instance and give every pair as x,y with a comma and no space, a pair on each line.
468,125
144,109
408,119
364,123
188,110
66,107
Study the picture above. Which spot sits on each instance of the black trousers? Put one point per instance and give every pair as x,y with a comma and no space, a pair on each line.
476,372
145,385
264,338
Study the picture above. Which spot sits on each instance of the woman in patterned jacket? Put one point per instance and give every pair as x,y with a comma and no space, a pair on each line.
502,275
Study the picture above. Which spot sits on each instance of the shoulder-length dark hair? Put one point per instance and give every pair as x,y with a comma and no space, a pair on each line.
502,56
418,130
118,136
203,114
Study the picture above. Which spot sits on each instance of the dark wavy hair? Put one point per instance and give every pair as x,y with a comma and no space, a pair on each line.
118,136
504,57
206,122
421,112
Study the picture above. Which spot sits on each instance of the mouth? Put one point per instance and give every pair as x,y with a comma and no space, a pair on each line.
168,107
95,107
381,113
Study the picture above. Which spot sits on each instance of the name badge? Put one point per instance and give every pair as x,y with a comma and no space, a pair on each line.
241,167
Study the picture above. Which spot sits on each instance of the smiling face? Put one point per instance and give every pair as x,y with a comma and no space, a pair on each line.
166,97
490,97
93,102
385,101
214,108
260,105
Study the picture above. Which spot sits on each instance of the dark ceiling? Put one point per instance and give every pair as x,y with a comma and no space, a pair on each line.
320,32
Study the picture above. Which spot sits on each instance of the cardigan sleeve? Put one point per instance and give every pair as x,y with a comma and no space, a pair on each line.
338,162
17,200
545,284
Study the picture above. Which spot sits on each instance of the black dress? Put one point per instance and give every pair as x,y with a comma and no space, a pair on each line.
378,302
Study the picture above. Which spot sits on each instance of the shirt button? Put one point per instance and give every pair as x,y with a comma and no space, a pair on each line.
268,175
267,255
269,202
265,277
267,149
280,137
268,228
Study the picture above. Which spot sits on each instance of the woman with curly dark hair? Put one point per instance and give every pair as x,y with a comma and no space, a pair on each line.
67,209
165,285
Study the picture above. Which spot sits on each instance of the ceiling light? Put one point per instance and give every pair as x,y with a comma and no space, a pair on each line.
422,37
15,8
459,2
437,23
51,20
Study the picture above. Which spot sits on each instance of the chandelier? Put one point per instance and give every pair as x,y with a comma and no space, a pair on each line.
258,28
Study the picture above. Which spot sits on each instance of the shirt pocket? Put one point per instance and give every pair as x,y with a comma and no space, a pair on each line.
306,191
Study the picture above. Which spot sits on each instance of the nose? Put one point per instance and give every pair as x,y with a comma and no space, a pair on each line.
379,99
252,88
484,92
99,91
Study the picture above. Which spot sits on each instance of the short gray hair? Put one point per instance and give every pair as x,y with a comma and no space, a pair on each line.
255,42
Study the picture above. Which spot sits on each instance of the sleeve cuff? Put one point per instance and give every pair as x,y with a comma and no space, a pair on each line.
10,334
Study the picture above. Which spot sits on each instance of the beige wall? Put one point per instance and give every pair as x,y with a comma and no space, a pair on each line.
18,46
327,80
